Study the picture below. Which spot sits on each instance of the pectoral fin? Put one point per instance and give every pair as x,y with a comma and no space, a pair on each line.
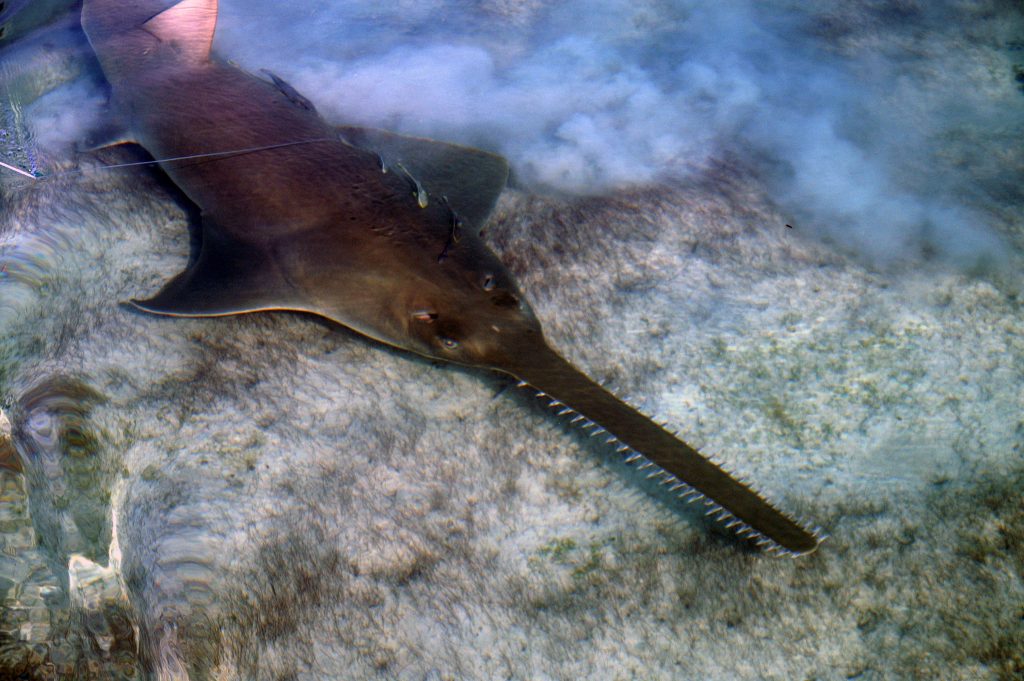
112,132
471,179
226,279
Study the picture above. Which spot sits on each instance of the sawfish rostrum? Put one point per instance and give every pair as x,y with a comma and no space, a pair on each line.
375,231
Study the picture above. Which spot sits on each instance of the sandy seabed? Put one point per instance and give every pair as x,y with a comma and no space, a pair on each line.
273,497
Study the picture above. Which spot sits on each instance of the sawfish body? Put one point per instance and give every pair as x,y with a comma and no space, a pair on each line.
372,230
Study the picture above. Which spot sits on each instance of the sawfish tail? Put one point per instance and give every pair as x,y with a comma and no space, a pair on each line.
680,466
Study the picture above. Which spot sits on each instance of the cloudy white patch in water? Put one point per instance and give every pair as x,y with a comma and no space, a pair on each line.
587,97
590,96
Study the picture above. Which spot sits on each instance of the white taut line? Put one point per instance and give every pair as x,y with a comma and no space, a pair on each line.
18,170
230,152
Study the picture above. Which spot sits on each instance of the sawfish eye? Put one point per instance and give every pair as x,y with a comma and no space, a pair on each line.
489,282
449,343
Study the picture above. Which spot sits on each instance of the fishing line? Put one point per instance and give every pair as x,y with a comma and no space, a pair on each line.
19,171
211,154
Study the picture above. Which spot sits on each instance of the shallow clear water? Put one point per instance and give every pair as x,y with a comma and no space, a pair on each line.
792,232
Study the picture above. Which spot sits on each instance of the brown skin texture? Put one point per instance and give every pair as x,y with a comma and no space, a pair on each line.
309,222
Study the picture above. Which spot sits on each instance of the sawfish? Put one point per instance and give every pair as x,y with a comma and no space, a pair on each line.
373,230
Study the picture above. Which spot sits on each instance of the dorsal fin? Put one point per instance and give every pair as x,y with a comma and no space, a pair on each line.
190,25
